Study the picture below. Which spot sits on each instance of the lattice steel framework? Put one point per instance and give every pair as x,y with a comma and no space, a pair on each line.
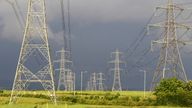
34,64
63,70
88,86
94,81
117,77
70,81
100,81
170,63
65,15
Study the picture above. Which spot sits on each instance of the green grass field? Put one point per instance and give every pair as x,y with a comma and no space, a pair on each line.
61,93
77,106
74,106
31,102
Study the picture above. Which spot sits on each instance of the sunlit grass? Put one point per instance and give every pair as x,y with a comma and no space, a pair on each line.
73,106
29,102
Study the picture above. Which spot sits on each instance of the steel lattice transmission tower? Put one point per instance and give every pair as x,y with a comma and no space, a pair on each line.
117,77
63,70
100,81
66,23
34,64
170,62
94,81
70,81
88,86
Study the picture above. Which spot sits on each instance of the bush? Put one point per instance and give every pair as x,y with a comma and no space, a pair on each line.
174,92
1,91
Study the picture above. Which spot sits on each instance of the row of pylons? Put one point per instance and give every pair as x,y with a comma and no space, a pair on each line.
35,63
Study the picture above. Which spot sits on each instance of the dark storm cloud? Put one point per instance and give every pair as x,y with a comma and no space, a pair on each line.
98,28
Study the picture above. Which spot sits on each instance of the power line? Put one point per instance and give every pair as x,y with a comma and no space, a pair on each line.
63,24
143,55
135,44
17,14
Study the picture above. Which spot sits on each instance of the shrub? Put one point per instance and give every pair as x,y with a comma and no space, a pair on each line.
174,92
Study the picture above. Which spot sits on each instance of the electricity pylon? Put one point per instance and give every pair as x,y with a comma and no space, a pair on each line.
70,81
66,76
34,64
74,80
94,81
65,13
170,63
63,69
88,86
117,77
100,81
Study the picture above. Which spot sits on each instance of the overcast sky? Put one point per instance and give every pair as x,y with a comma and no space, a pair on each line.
98,28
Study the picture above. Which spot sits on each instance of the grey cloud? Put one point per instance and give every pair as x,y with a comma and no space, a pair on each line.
83,13
2,25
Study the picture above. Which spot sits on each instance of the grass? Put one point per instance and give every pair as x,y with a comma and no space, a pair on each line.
73,106
5,100
123,93
85,93
29,102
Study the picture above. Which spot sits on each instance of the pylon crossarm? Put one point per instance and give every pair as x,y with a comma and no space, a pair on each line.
162,25
189,42
58,61
158,25
67,70
156,42
62,51
116,69
176,7
173,6
161,41
184,26
160,7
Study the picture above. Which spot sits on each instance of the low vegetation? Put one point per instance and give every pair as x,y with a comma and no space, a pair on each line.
170,92
174,92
